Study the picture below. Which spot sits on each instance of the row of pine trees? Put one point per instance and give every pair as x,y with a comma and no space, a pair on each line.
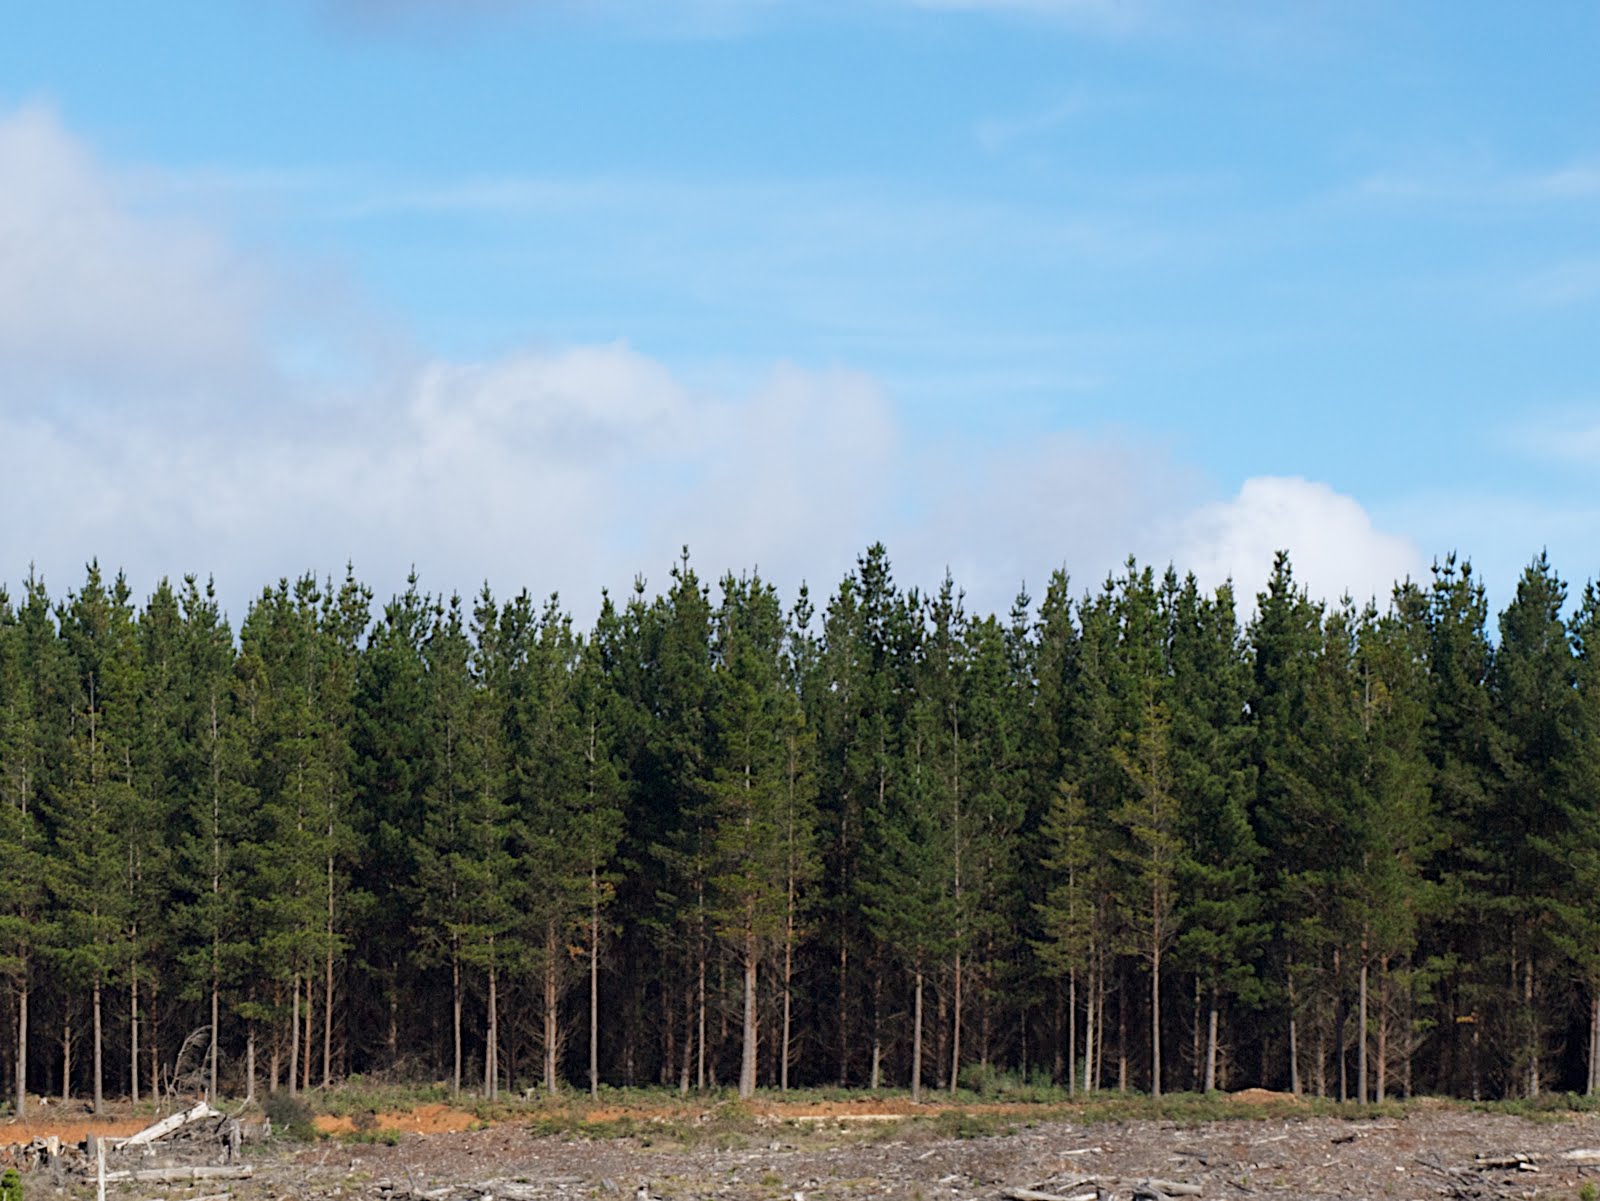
1116,839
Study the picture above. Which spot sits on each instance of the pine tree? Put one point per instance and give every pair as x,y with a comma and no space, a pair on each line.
1575,907
485,912
748,788
873,638
216,847
35,679
1045,744
1397,828
906,871
391,761
1222,927
151,819
298,654
1284,641
441,902
998,691
1533,689
549,762
1092,784
942,740
595,827
1459,739
91,816
798,809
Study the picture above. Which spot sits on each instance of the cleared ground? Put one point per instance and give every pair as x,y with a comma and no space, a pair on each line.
883,1147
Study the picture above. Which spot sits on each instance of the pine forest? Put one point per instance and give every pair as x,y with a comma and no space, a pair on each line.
1140,836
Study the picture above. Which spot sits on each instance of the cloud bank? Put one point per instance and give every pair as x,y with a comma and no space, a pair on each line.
1333,544
565,468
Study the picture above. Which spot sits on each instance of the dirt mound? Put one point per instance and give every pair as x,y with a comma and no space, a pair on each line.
1264,1096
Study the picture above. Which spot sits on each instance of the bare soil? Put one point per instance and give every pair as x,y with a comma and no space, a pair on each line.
858,1150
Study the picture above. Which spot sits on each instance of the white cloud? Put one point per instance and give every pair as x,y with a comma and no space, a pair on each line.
565,468
1005,515
568,470
91,289
1333,544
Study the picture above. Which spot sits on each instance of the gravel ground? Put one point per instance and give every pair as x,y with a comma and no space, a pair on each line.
1428,1152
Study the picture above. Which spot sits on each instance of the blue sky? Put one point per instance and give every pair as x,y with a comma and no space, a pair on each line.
537,292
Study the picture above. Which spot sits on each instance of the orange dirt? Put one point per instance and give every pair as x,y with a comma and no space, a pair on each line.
68,1130
437,1118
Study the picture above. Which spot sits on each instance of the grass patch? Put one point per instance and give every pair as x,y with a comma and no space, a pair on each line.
389,1138
291,1117
955,1123
1547,1107
358,1095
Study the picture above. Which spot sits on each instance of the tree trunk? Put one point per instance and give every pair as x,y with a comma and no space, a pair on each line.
1294,1034
551,1018
491,1053
1533,1030
1382,1093
305,1072
1361,1032
788,997
1072,1032
250,1062
294,1036
844,1010
877,1030
152,1026
216,1010
1594,1043
955,1030
1122,1031
133,1033
1341,1011
327,990
22,1043
66,1061
916,1044
686,1066
1155,1022
1211,1044
700,1023
455,1017
747,1060
1196,1046
594,985
1091,1074
99,1052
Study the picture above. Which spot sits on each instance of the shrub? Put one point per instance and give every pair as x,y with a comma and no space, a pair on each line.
290,1117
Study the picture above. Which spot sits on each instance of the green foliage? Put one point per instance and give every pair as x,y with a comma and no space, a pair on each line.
1111,837
956,1123
291,1117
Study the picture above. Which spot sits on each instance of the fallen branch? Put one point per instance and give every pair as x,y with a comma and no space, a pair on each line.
176,1175
1170,1188
168,1125
1503,1161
